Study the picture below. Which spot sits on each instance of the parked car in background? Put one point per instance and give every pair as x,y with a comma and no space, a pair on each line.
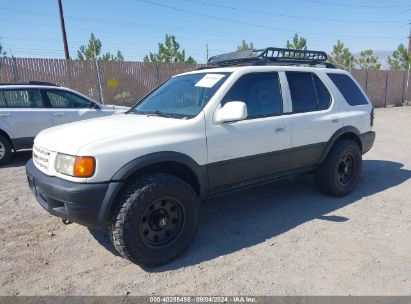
27,109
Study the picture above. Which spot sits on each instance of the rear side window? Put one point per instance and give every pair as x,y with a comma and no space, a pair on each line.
260,92
308,93
348,89
3,103
28,98
63,99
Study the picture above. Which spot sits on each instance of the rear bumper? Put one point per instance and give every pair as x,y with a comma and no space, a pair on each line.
367,141
86,204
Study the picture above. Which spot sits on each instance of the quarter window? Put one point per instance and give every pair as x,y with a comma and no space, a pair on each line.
308,93
62,99
30,98
348,89
260,92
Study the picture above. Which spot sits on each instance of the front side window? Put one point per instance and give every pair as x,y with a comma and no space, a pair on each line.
348,89
260,92
63,99
308,93
181,96
25,98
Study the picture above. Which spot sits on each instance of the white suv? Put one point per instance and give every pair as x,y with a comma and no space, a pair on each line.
236,124
27,109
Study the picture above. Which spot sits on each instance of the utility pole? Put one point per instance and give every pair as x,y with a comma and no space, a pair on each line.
206,53
63,31
409,67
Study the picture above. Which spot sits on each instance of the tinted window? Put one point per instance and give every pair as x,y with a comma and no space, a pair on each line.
303,95
348,89
323,95
260,92
2,100
62,99
30,98
308,93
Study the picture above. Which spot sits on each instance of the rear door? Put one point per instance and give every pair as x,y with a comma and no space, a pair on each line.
69,107
25,114
315,118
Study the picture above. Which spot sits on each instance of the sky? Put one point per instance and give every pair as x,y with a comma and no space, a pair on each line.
31,28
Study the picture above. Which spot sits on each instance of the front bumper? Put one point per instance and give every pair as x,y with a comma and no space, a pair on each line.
86,204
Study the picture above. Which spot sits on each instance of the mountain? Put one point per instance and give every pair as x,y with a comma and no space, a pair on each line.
382,58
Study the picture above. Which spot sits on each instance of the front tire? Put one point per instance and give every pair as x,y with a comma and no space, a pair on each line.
155,220
339,174
5,150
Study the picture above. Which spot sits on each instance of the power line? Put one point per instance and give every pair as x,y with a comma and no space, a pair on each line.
356,5
290,16
259,25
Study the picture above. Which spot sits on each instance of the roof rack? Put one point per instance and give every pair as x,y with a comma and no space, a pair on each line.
32,83
271,56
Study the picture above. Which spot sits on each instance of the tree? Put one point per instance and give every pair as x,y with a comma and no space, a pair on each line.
298,43
400,59
2,53
244,46
341,57
93,50
367,61
169,52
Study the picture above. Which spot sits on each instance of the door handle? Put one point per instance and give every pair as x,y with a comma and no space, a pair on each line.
59,114
336,120
280,129
5,114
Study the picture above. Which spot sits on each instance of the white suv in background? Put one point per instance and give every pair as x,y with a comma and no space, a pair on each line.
236,124
27,109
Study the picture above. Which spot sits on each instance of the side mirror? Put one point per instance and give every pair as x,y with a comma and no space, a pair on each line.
231,111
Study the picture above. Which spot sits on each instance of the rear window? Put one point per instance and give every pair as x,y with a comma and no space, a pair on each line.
3,103
348,89
29,98
308,93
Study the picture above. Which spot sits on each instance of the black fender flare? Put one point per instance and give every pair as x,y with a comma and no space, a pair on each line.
119,178
336,136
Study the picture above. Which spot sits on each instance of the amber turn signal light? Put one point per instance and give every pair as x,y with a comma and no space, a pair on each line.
84,166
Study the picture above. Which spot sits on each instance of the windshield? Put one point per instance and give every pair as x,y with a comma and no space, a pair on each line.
181,96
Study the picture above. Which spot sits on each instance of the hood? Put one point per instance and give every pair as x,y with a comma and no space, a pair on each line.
69,138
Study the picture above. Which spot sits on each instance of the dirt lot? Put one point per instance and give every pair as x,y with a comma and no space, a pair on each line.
283,239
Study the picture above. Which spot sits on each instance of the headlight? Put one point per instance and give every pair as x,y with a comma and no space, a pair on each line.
77,166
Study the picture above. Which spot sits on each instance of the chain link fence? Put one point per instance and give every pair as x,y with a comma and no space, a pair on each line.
125,82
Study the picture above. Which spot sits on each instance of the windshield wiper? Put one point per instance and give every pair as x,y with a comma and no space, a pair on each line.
157,113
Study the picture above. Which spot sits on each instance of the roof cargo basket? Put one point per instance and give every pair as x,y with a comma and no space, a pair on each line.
271,56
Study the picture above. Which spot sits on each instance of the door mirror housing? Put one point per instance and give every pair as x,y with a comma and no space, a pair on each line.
231,111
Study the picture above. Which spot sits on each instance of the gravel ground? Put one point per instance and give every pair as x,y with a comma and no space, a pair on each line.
279,239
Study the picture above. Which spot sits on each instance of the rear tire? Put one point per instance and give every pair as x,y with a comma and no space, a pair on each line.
5,150
339,174
155,220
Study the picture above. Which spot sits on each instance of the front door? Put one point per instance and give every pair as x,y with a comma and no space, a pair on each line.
257,147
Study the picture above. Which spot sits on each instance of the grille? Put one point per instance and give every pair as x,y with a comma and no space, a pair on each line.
41,158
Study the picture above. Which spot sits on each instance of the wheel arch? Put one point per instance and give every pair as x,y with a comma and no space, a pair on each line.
174,163
7,136
348,132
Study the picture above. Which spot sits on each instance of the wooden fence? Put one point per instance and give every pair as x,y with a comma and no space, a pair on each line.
124,83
